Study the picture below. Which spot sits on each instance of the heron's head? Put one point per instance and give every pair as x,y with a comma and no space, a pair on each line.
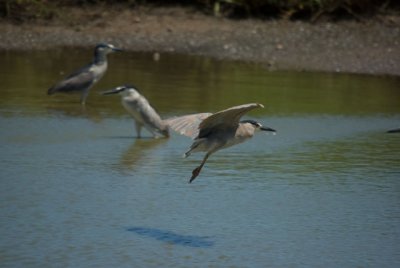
124,90
257,125
104,49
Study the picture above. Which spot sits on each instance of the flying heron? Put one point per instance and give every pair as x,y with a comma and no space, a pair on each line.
141,110
83,79
213,132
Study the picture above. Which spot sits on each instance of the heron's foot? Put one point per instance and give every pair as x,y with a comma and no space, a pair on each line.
195,173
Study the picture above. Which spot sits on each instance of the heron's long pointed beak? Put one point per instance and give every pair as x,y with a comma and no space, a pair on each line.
112,91
116,49
267,129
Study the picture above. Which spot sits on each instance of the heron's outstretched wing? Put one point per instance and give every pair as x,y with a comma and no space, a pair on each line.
187,125
225,119
78,80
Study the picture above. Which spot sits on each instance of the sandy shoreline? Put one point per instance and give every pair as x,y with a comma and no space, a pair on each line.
371,47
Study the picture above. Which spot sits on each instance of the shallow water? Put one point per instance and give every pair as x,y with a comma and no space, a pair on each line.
78,190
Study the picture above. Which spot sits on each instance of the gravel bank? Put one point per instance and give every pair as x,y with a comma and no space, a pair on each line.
371,47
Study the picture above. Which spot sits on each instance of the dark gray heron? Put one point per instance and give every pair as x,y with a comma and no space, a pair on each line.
141,110
83,79
213,132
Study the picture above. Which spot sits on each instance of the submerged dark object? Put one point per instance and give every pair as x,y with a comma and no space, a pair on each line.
173,238
396,130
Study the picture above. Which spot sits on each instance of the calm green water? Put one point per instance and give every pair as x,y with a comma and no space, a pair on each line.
78,190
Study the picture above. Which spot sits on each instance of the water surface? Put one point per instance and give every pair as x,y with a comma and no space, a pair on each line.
78,190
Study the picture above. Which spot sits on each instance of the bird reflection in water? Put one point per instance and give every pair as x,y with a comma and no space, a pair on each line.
139,152
69,109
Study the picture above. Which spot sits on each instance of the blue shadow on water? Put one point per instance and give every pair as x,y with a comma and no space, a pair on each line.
173,238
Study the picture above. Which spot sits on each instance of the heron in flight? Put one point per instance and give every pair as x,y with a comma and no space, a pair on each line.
213,132
83,79
141,110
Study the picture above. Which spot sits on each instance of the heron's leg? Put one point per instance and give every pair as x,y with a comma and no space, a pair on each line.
194,146
138,129
84,95
156,134
197,170
187,154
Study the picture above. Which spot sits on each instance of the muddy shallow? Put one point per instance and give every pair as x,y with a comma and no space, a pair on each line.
369,47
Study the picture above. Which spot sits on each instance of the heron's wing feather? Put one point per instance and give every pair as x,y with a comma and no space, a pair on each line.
228,118
84,69
78,80
187,125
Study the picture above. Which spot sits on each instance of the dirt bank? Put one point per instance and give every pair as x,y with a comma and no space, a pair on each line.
369,47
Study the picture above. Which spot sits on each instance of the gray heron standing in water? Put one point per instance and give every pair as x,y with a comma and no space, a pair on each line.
213,132
141,110
83,79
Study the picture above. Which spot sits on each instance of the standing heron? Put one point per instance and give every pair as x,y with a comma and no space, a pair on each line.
141,110
83,79
213,132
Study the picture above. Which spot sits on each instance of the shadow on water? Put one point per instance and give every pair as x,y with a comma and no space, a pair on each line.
173,238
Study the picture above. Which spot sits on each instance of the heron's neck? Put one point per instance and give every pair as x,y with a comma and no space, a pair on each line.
100,58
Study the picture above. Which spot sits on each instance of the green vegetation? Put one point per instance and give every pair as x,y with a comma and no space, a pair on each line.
302,9
288,9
